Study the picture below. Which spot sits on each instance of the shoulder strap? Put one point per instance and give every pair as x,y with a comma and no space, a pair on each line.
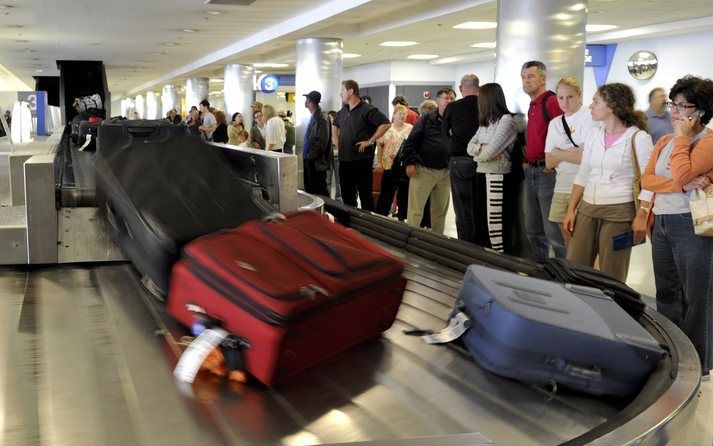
567,130
545,112
637,169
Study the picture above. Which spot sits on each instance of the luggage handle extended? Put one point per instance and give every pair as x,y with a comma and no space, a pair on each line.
140,132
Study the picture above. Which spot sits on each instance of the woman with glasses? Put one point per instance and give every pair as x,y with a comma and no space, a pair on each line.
683,261
603,192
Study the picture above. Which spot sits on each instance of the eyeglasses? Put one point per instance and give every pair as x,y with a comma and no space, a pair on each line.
680,107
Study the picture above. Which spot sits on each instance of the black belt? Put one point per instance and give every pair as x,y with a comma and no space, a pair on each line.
538,163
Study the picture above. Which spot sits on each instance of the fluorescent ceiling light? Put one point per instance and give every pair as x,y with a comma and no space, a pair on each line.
190,30
271,65
213,12
484,45
350,55
423,56
39,70
398,43
171,44
599,28
216,81
476,25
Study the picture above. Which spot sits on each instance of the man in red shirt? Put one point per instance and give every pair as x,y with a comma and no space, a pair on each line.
539,180
411,116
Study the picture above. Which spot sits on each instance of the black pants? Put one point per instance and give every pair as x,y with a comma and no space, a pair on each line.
390,186
315,181
356,177
469,201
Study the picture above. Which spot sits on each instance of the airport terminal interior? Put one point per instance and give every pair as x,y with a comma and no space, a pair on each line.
181,263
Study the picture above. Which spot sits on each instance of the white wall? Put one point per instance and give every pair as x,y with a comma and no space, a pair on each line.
485,71
7,100
677,56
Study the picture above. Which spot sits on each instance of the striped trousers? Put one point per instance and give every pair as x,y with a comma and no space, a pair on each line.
495,189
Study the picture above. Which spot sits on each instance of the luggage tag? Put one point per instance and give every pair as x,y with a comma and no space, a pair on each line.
457,326
190,362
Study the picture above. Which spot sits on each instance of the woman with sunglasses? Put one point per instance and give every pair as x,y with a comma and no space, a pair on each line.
683,261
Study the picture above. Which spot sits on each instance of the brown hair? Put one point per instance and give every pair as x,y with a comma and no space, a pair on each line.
621,99
350,84
220,117
491,104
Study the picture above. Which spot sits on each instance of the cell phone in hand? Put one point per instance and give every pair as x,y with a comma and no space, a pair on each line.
624,241
696,114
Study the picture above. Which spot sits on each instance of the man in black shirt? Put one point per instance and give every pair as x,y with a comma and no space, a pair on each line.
460,122
426,159
356,129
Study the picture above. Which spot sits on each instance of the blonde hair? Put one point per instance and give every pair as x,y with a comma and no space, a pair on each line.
427,106
400,108
268,111
571,82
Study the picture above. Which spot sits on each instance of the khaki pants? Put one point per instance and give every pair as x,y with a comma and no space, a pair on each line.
435,183
593,231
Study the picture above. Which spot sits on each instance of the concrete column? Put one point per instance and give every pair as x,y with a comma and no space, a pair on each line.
239,92
169,99
153,107
551,31
140,107
318,67
196,90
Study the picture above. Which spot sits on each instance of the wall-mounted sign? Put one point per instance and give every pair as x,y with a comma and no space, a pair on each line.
595,56
37,101
268,83
642,65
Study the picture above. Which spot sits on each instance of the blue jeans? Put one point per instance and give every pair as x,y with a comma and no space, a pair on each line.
683,270
541,232
334,170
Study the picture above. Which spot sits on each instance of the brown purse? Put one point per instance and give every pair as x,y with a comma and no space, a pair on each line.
636,184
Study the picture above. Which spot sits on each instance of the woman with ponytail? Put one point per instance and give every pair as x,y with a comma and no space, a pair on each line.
603,209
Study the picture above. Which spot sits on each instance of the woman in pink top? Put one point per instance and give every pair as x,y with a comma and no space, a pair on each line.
601,210
386,149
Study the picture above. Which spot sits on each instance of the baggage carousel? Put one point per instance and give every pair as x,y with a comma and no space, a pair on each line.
87,356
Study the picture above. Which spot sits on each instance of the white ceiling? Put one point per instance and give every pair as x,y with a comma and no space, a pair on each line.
130,36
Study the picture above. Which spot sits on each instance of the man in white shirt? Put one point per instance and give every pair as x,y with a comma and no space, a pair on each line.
209,122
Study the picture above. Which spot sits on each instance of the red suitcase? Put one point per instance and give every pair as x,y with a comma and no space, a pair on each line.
298,291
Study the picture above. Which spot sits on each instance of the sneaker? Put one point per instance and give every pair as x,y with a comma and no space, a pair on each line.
706,376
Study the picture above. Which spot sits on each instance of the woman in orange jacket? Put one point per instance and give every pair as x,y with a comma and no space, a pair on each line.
683,261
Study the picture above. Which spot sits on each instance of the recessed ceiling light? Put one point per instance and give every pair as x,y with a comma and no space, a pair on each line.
350,55
216,81
158,53
39,70
476,25
170,44
422,56
29,51
599,28
398,43
190,30
213,12
271,65
484,45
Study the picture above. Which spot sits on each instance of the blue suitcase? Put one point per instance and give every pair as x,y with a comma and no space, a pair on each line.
548,333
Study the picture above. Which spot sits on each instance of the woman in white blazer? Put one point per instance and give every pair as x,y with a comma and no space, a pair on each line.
601,212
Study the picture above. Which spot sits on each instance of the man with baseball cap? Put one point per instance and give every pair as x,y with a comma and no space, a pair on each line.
316,147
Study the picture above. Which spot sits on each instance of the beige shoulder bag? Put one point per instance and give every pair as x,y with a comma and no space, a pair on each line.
636,184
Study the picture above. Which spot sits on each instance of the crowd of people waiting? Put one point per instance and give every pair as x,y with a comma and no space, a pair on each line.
598,179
